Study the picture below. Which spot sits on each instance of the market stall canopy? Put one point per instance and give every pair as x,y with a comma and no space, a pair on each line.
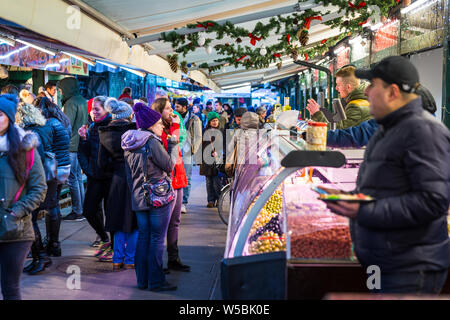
57,24
140,33
146,20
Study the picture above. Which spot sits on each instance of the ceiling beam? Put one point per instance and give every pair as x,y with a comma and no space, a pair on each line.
239,19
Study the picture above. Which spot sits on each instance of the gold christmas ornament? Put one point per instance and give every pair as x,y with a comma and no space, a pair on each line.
183,66
173,62
294,54
303,36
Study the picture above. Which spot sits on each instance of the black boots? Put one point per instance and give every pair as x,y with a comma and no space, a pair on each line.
53,224
40,258
42,263
178,266
174,262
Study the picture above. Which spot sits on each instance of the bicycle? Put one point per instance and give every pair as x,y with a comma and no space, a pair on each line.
223,206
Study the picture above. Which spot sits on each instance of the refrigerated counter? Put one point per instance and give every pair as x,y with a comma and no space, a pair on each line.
282,242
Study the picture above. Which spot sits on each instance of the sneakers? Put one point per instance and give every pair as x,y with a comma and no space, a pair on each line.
183,209
74,217
216,204
103,247
106,256
97,243
210,205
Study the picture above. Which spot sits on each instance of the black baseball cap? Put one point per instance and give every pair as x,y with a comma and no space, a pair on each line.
182,101
394,69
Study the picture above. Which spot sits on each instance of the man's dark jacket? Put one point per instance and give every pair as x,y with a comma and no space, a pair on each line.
406,169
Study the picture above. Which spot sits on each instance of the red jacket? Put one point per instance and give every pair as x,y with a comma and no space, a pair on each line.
179,174
124,95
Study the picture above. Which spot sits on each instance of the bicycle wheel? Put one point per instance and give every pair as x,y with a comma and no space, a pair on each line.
224,203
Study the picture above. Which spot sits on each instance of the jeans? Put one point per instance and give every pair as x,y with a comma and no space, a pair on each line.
420,282
213,187
124,247
174,223
75,183
12,259
187,162
152,226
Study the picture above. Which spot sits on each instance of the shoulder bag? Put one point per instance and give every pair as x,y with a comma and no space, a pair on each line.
50,166
11,227
157,194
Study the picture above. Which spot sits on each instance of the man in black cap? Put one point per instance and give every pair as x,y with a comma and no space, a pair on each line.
237,118
404,231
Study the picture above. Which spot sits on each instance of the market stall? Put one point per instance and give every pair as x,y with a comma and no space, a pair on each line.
282,241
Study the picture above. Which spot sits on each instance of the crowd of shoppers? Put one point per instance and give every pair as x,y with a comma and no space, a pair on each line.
138,159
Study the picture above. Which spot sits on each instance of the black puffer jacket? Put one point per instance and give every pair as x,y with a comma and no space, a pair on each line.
88,152
61,142
406,168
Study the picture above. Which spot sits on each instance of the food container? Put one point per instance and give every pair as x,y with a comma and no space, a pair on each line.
316,136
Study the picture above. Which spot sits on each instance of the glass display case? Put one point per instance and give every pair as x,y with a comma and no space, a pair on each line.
273,207
278,226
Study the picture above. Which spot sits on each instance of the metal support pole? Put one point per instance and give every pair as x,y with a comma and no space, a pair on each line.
329,77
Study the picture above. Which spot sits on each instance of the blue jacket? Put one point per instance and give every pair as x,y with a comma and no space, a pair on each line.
406,170
61,142
353,137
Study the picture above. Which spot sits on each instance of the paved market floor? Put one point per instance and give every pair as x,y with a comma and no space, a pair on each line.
201,244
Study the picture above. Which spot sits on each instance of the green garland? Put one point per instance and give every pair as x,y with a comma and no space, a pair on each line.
249,55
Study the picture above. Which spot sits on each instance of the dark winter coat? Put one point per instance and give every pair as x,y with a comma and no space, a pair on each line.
406,170
213,139
75,108
54,138
35,187
88,152
119,216
61,142
159,165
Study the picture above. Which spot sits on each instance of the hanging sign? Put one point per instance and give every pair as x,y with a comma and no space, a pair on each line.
27,57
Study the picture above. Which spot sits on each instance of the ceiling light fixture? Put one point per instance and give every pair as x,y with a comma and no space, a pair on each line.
7,41
107,64
50,52
416,6
237,85
340,49
89,62
140,74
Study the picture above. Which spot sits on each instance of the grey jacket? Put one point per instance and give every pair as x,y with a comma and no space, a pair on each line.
75,108
194,138
160,162
35,187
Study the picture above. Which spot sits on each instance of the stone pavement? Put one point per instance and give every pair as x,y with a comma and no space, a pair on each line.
201,244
